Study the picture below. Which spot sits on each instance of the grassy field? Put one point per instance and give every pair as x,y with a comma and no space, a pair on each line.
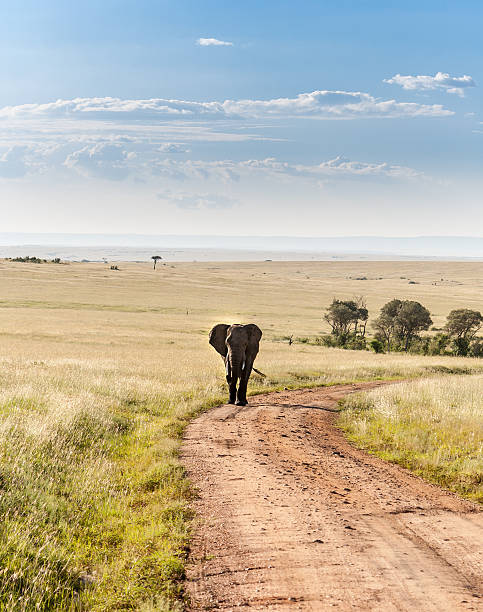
433,427
100,371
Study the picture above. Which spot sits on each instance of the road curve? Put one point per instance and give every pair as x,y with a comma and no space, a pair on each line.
292,517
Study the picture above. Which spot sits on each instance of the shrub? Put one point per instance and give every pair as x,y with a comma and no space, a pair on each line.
377,346
461,346
438,344
355,343
476,348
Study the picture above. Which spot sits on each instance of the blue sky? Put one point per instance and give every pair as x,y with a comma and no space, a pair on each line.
274,117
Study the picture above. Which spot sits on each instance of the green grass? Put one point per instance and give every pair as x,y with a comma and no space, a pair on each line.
96,505
433,427
99,374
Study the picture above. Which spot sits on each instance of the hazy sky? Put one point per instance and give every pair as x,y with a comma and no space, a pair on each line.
222,117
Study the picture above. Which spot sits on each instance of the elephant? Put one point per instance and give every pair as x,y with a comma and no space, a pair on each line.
238,345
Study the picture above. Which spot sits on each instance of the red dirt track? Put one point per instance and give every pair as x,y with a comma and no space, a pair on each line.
292,517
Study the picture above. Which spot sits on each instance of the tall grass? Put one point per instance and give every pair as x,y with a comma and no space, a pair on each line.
99,374
95,503
433,427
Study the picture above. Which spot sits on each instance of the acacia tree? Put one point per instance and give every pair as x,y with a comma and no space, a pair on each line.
402,319
156,258
344,317
412,318
462,325
386,323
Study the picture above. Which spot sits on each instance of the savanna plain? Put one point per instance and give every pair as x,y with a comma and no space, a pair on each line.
102,369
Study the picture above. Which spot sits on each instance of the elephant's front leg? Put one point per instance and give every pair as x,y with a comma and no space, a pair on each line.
241,399
231,382
232,387
241,396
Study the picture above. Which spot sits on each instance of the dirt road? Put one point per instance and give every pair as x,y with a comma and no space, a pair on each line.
291,517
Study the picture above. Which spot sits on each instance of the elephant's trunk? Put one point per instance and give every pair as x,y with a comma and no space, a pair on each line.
235,363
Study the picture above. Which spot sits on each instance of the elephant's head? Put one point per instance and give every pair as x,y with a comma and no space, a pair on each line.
238,345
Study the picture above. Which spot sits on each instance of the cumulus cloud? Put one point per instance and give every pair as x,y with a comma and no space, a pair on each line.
333,105
228,170
115,162
191,201
221,170
143,154
213,42
341,165
441,80
173,147
19,160
106,161
13,163
321,104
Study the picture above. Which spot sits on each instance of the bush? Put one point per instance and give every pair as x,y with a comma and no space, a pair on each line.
476,348
420,346
355,343
37,260
377,346
438,344
28,259
329,340
461,346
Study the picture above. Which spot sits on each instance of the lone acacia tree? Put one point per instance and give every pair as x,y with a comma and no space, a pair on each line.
155,259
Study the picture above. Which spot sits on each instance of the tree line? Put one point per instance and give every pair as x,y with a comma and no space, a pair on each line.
398,327
37,260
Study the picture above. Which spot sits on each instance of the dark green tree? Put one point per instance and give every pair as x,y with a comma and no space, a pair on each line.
412,318
347,318
462,325
402,320
386,323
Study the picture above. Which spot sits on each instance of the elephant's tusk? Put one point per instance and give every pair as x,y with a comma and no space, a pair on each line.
260,373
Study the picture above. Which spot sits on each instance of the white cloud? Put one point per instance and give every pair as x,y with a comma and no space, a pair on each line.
106,161
213,42
191,201
317,105
173,147
13,163
340,165
440,80
116,160
17,161
333,105
229,170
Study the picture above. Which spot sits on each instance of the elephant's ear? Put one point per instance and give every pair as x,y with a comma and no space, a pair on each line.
254,333
218,337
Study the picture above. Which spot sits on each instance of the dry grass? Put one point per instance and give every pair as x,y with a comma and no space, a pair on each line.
100,371
433,427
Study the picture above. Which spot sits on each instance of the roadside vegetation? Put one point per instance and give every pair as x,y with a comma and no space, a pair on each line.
398,328
434,427
100,372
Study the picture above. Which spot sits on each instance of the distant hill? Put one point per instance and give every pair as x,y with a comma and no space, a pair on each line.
137,246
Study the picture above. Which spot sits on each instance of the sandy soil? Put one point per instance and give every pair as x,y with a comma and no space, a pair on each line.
291,517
